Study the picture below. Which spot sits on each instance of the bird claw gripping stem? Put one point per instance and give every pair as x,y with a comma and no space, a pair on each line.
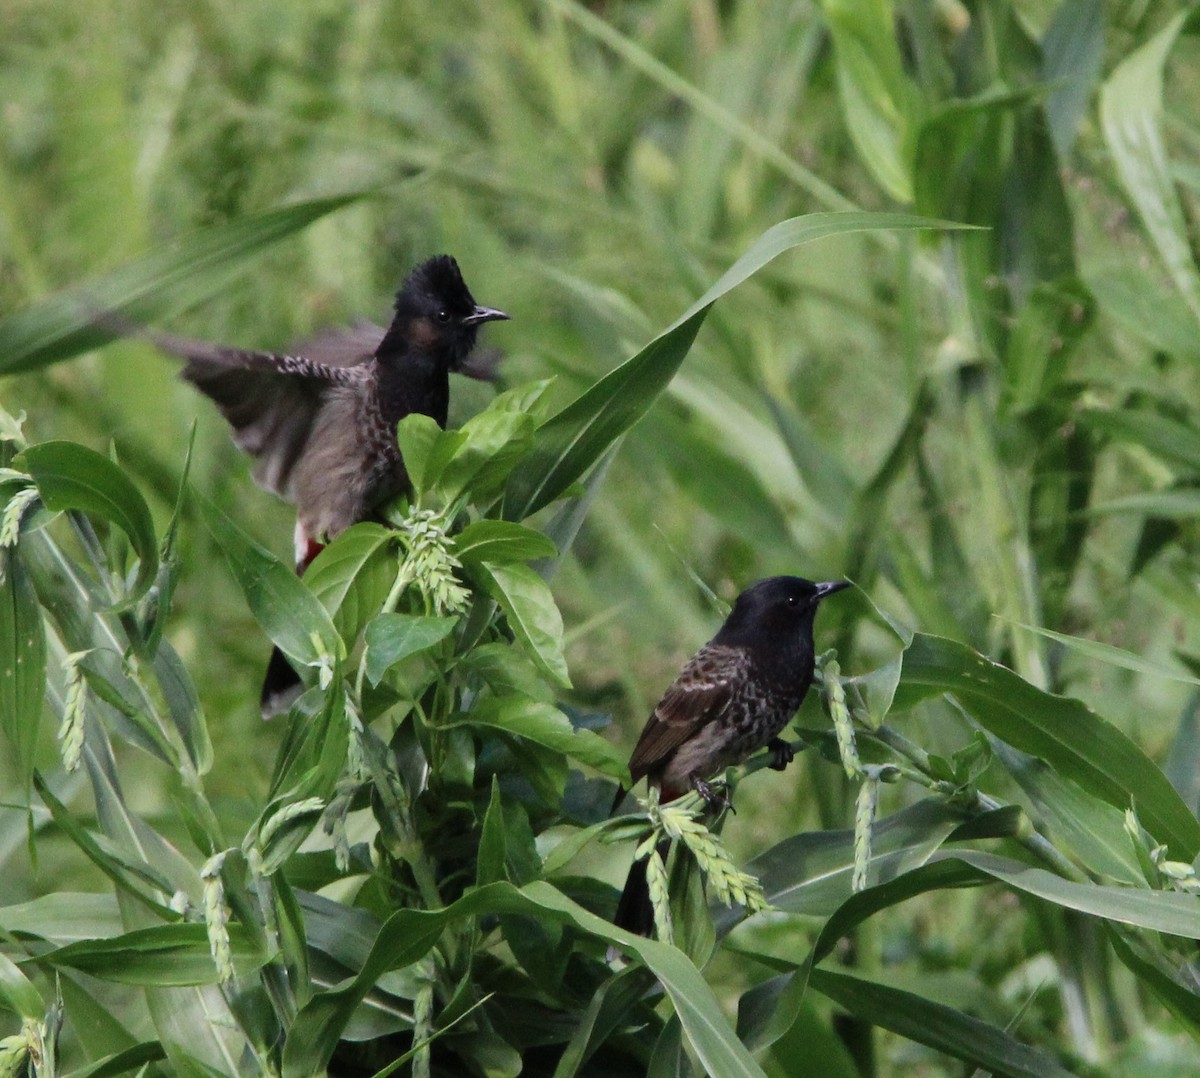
781,752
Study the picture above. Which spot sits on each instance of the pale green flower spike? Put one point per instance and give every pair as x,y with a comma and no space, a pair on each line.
70,733
216,917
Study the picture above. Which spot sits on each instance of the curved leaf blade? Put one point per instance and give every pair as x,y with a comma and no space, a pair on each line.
185,272
570,442
546,725
531,612
73,477
289,613
408,935
1066,733
22,664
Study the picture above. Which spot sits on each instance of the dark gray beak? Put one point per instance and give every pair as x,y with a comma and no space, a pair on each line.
830,586
484,314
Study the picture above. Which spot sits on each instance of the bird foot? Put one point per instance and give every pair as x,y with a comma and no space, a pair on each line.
716,795
781,752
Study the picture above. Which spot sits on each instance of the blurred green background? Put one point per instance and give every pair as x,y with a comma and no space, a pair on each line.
959,424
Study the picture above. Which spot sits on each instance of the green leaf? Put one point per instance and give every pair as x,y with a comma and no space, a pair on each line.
175,275
1114,656
123,1062
289,613
73,477
17,992
492,444
1064,732
569,443
531,612
810,873
164,956
501,541
63,916
392,637
353,575
546,725
408,935
934,1024
129,878
1131,108
490,862
417,435
1171,439
1182,1001
22,664
183,707
1168,504
879,100
1072,56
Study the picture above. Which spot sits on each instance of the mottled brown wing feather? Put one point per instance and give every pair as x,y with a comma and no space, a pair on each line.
701,692
347,346
270,400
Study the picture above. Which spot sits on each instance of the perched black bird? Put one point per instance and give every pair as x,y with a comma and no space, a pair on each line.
321,425
734,696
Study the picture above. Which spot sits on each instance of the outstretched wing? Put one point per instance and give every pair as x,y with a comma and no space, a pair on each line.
700,694
270,400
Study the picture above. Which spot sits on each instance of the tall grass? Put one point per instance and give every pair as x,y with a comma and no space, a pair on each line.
992,433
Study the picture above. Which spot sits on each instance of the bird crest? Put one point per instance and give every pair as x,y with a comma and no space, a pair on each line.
437,278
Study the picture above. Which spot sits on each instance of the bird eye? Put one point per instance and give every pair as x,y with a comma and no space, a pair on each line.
792,600
443,316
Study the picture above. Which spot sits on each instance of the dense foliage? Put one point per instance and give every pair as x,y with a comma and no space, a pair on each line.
992,432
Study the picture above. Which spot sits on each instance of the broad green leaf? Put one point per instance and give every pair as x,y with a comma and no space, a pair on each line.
1072,56
289,613
22,664
352,576
408,935
546,725
1171,439
1175,914
17,992
164,956
1169,504
569,443
123,1062
184,272
1064,732
1161,911
604,1013
810,873
1131,108
417,435
878,98
63,916
492,444
71,476
501,541
136,880
1114,656
392,637
1148,964
183,707
1091,829
490,861
941,1027
531,612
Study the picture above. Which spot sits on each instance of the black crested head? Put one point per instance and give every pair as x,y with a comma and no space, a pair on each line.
776,613
436,315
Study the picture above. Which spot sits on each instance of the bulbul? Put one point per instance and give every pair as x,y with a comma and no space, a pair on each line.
734,697
321,424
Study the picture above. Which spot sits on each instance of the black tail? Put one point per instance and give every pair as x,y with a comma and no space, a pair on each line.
281,686
635,913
